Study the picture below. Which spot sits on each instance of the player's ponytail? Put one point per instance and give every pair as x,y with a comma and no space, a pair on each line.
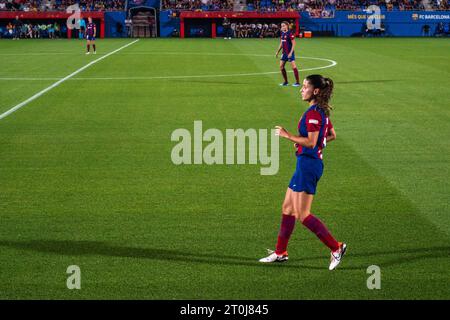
325,86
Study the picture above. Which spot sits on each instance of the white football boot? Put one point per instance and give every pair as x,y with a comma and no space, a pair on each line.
273,257
336,256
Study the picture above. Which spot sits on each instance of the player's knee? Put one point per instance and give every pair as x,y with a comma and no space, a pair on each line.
302,215
286,209
281,68
296,214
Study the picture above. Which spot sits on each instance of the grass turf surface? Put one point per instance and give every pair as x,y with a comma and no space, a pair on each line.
86,176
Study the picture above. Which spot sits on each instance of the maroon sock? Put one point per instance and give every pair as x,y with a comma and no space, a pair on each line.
88,47
286,228
297,80
283,72
94,47
321,231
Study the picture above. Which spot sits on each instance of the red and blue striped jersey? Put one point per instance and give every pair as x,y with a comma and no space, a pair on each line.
286,41
90,29
314,119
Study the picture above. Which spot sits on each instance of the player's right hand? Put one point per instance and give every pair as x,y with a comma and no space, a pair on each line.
282,132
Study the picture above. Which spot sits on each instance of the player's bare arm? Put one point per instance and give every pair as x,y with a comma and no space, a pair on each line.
279,49
308,142
292,49
331,135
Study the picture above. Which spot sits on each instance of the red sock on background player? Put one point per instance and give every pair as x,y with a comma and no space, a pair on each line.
297,80
284,73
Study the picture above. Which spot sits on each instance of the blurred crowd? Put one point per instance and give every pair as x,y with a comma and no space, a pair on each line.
61,5
203,5
255,30
40,30
315,7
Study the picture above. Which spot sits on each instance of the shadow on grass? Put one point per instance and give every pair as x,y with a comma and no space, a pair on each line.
97,248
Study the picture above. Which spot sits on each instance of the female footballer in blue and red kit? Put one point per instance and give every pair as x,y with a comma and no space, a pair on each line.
314,131
91,31
287,44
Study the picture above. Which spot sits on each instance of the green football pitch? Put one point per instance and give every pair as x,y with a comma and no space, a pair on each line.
87,179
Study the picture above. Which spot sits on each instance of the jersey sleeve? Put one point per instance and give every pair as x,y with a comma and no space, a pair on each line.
330,125
313,121
292,36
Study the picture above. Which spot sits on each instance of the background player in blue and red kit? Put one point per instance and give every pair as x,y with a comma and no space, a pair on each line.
91,31
287,44
314,131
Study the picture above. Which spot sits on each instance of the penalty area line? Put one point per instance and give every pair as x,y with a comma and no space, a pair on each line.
40,93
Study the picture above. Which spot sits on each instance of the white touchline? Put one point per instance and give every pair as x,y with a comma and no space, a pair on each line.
40,93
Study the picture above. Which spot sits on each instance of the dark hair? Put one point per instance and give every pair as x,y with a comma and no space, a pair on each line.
287,24
325,86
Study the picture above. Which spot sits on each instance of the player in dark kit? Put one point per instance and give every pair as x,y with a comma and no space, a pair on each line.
287,44
314,131
91,31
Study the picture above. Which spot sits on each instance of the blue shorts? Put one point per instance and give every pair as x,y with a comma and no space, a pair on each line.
307,174
284,57
90,38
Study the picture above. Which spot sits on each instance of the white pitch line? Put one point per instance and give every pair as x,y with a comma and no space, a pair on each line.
40,93
332,64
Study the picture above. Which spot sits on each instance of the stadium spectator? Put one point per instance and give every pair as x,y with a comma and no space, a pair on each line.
43,31
81,31
129,26
51,31
198,5
440,31
61,5
255,30
57,30
28,30
316,8
9,30
35,29
426,30
17,28
175,33
227,28
29,34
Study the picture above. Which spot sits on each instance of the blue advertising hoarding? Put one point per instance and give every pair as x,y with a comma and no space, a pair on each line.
396,23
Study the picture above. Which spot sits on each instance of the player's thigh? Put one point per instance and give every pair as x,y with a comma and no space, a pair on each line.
287,207
293,65
282,64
